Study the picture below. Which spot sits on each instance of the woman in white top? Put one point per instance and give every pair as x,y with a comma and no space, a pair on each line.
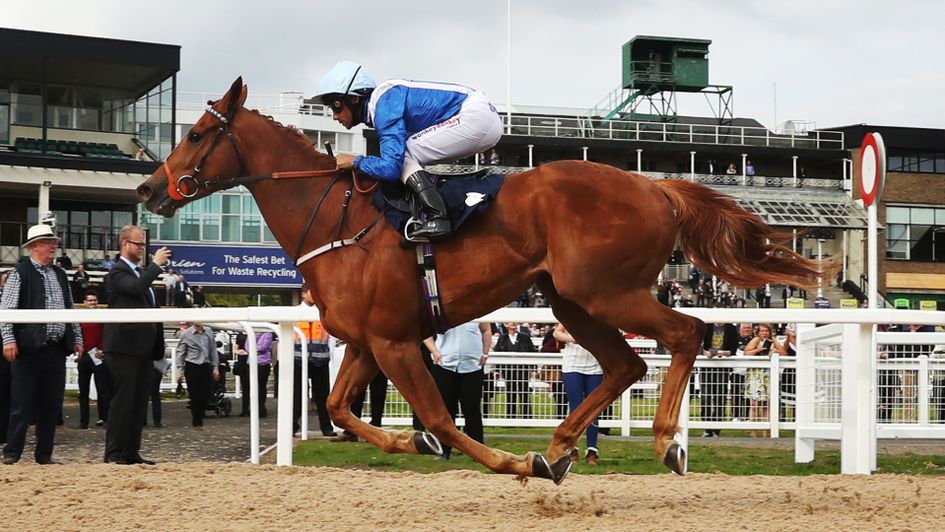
581,375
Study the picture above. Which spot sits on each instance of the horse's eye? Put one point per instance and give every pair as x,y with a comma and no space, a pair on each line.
194,137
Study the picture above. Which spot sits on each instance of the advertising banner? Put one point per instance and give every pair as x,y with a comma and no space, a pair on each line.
233,265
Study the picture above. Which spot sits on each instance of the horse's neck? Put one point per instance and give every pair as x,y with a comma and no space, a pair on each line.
287,204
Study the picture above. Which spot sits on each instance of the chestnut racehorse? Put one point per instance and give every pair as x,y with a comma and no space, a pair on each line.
592,237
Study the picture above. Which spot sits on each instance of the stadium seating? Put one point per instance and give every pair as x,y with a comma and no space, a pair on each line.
95,150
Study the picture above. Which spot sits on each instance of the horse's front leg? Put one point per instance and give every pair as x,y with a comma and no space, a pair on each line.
402,364
356,372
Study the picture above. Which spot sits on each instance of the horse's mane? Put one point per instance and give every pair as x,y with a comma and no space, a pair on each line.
294,133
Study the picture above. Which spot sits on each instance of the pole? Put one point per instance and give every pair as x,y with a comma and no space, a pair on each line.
692,166
872,266
639,159
286,393
508,69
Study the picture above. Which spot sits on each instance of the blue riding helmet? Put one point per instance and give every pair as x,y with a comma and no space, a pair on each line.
346,78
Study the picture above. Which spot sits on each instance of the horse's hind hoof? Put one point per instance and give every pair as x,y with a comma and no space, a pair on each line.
675,459
555,472
426,443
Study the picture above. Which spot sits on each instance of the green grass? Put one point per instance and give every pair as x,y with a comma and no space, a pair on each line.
619,456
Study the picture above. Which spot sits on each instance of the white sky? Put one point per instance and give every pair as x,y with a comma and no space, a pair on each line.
836,62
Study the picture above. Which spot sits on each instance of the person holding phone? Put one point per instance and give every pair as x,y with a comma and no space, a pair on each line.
756,388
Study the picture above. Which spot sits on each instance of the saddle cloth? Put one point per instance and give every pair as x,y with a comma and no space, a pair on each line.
463,197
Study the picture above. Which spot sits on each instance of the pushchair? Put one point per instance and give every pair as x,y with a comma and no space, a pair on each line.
219,403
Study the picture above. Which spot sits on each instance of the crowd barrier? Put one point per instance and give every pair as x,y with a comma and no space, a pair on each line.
853,337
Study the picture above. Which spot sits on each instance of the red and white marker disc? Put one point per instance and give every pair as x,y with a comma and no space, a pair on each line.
872,168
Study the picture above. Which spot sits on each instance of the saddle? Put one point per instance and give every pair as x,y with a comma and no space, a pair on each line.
464,194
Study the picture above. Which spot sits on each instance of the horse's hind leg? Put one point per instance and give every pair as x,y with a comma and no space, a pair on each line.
683,336
621,364
357,370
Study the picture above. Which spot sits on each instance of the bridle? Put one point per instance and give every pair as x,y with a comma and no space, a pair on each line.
178,190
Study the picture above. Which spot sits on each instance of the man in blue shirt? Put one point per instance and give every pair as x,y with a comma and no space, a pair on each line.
417,123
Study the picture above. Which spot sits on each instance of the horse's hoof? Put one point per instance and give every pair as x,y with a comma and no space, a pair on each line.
675,459
555,472
426,443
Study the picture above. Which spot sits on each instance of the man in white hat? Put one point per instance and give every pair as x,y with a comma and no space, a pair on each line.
37,351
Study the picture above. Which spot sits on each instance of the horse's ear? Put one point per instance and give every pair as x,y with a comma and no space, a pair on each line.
237,94
243,94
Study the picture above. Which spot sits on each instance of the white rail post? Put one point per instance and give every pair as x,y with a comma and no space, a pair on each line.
805,392
625,412
856,398
923,384
774,395
303,427
286,370
253,377
684,419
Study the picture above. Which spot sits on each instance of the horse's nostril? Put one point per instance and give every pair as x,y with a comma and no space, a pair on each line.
144,192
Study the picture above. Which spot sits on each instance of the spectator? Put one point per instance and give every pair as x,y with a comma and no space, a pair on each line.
731,170
160,368
170,286
710,167
130,348
756,382
494,159
200,300
721,340
788,381
198,362
181,292
320,345
241,368
91,363
749,169
107,263
516,375
80,283
37,351
582,375
937,394
459,356
4,379
739,399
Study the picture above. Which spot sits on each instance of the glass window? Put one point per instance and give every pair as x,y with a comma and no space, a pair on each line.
169,229
897,249
231,203
122,218
4,124
894,163
267,234
249,205
897,215
926,163
344,142
920,243
211,227
922,215
252,229
189,227
230,228
940,217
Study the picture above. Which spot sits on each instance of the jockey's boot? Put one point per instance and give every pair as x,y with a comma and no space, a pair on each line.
431,202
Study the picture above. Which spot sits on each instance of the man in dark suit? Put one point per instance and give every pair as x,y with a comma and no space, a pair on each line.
516,375
131,348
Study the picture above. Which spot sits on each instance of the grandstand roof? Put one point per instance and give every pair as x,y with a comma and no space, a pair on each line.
129,66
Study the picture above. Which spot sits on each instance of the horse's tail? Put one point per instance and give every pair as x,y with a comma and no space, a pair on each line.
739,247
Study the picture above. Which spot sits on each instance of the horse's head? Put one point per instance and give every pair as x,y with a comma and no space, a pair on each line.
208,153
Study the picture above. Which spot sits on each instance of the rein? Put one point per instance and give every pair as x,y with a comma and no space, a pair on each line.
178,188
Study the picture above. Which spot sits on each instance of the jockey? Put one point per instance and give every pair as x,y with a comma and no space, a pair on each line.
417,123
